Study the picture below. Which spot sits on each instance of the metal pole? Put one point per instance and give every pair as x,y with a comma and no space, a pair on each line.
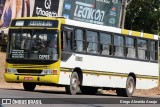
61,2
123,13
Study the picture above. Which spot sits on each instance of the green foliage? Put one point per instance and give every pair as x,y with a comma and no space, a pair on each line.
143,15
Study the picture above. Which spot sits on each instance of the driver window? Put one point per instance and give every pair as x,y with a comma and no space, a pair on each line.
66,40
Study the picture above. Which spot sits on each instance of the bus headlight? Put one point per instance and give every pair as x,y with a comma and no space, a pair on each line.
12,70
49,72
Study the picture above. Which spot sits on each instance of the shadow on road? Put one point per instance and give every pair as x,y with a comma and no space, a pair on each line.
54,92
64,93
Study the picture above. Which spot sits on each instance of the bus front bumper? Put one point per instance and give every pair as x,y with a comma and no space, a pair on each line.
15,78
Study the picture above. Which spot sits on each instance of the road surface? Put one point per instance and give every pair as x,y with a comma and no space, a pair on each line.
61,99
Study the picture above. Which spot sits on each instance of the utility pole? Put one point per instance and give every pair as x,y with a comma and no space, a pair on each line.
123,12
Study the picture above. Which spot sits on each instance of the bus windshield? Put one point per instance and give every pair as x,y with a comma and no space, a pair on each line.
33,44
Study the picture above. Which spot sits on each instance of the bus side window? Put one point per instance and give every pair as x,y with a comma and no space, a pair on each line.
105,41
142,49
79,40
153,51
66,40
92,41
118,45
130,47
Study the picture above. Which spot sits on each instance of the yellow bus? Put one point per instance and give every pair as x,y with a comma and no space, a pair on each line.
79,56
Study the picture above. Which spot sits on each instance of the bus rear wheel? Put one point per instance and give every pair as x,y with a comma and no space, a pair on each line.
130,87
74,86
89,90
29,86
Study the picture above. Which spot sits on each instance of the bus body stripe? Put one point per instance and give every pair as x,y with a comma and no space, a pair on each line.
111,73
135,33
146,35
126,32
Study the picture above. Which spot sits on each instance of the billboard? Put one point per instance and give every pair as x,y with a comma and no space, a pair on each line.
10,9
2,3
47,8
103,12
1,6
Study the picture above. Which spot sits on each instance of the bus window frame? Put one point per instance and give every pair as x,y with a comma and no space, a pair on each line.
63,29
108,44
112,44
83,41
145,50
155,51
135,47
92,42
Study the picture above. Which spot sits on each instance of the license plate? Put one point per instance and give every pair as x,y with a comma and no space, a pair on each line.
28,78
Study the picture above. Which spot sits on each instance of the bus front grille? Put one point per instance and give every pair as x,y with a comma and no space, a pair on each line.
25,66
29,71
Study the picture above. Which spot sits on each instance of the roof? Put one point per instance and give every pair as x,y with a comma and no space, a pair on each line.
111,29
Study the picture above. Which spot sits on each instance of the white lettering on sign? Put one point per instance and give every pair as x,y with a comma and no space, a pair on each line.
86,11
104,1
17,53
40,23
44,57
47,4
40,11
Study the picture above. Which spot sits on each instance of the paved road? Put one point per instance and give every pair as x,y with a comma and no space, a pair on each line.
60,99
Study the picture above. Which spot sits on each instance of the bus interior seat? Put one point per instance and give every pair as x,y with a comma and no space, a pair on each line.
131,53
105,50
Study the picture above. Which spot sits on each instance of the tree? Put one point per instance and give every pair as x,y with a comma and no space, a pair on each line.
143,15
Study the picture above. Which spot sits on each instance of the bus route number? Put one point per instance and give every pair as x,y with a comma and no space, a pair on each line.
44,57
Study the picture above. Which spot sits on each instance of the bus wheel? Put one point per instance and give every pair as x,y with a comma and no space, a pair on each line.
74,86
130,87
89,90
29,86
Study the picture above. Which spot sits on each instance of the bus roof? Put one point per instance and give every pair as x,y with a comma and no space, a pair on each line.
97,27
111,29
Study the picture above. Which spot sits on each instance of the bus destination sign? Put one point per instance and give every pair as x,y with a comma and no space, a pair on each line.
35,23
40,23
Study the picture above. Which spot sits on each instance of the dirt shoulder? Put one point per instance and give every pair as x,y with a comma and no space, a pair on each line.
2,65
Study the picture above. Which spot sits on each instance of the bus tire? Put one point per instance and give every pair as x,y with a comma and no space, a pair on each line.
29,86
89,90
130,87
74,86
